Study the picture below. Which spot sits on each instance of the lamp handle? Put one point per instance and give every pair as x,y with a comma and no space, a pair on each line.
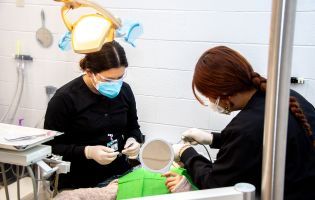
116,22
65,19
84,3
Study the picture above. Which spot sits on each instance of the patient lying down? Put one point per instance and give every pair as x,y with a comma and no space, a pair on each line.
138,183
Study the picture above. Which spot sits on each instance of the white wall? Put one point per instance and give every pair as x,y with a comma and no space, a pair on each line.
176,33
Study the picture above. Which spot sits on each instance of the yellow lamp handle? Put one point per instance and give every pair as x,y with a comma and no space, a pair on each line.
65,19
116,22
73,4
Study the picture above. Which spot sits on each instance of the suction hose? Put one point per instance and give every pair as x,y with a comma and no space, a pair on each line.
21,74
20,81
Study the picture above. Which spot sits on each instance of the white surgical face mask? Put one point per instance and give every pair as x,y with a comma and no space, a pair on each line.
217,108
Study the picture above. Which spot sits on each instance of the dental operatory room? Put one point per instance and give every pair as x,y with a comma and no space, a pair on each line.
157,100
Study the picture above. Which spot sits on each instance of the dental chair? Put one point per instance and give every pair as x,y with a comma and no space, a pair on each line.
157,156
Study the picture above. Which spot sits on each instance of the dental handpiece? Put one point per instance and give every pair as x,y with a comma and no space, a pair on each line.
189,140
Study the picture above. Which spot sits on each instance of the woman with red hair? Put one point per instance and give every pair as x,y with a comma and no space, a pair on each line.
227,79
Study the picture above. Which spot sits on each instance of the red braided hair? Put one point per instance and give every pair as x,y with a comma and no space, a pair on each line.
221,71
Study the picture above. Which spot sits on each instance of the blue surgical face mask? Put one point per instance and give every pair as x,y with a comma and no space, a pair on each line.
109,89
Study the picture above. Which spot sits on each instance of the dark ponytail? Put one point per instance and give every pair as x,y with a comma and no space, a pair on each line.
112,55
83,64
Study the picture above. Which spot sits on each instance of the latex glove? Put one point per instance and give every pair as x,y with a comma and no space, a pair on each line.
172,179
131,148
197,136
179,149
101,154
177,183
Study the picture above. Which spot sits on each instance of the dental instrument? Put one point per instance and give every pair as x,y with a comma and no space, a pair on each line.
28,137
192,141
156,155
120,154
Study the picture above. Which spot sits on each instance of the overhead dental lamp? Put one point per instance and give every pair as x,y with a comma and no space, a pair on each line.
90,31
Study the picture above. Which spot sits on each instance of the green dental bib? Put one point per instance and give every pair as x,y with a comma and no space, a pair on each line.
141,183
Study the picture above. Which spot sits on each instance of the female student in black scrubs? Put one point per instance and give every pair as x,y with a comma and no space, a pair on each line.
97,114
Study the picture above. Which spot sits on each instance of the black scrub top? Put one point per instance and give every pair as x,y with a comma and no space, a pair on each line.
87,118
240,153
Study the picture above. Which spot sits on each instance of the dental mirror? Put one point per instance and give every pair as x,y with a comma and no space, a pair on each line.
156,156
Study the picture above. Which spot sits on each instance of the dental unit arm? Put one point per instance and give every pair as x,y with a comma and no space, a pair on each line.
50,169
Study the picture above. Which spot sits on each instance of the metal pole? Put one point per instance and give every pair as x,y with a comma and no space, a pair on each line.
31,173
277,99
4,178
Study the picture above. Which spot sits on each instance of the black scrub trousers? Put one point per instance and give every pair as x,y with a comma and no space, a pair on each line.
240,153
87,118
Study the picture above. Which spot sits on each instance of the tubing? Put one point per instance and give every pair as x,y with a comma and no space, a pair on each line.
31,173
18,181
5,183
15,94
20,93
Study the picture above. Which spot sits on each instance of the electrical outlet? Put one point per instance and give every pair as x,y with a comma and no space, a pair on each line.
19,3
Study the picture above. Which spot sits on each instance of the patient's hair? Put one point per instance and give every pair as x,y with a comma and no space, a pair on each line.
111,55
221,71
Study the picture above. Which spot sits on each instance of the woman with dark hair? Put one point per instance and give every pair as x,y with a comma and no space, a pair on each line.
97,114
226,78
